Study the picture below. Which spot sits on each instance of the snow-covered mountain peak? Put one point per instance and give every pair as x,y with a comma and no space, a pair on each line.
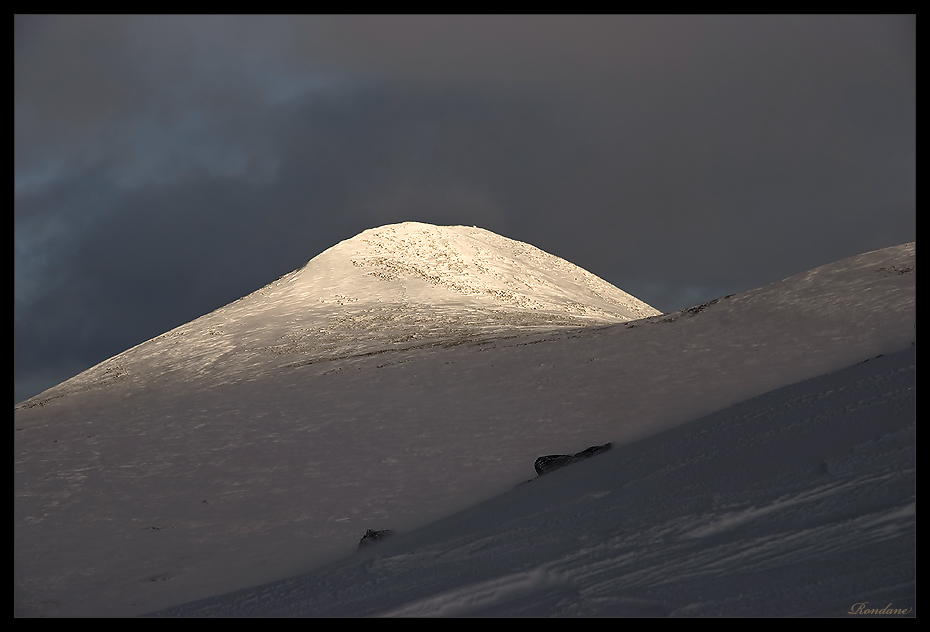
463,266
396,287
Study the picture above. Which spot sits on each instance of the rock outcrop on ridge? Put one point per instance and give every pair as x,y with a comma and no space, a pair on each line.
552,462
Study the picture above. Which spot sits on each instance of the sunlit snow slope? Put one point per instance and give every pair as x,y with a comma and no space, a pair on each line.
401,376
397,286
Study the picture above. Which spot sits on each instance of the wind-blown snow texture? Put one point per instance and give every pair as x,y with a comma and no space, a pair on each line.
798,502
401,376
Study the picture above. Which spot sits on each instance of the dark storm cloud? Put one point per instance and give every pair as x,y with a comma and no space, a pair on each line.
165,166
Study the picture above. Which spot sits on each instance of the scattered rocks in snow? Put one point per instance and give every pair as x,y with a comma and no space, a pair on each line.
371,537
692,311
546,464
161,577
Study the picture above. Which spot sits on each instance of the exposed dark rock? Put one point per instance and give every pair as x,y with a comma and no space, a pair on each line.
546,464
371,537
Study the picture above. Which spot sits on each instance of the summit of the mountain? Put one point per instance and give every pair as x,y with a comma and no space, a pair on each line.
460,266
393,287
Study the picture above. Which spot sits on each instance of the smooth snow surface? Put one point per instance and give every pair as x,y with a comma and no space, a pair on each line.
401,376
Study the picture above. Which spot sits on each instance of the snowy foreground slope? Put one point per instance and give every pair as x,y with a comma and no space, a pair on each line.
402,376
800,502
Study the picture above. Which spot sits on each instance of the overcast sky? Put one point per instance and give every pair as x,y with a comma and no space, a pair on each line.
166,166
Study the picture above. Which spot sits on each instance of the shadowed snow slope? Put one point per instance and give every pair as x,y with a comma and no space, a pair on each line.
799,502
401,376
